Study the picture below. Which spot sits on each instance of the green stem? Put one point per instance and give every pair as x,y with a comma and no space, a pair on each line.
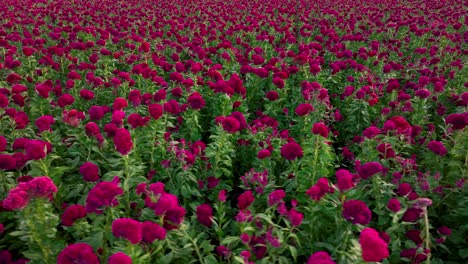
195,246
315,157
126,182
31,223
428,235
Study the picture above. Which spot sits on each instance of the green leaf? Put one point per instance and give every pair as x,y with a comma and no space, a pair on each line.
210,259
463,253
230,240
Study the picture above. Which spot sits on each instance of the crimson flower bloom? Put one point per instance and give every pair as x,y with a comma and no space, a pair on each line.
120,258
204,214
245,200
356,212
320,257
78,253
127,228
152,231
374,248
89,171
123,141
291,151
73,213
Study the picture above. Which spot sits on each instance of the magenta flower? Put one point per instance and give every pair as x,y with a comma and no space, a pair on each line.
291,151
89,171
73,213
245,200
356,212
123,141
320,257
78,253
374,248
120,258
152,231
204,214
437,147
127,228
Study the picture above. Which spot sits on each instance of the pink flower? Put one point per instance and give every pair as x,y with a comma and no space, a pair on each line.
320,129
276,197
437,147
304,109
196,101
320,257
89,171
7,162
357,212
101,195
374,248
174,217
35,149
291,151
245,200
73,213
120,258
123,141
204,214
369,169
344,180
78,253
230,124
394,205
127,228
155,111
264,153
43,123
295,217
152,231
317,191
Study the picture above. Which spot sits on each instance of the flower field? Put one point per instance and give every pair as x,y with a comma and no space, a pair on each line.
243,131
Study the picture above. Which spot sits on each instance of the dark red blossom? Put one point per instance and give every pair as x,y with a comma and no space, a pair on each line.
7,162
374,248
457,120
204,214
437,147
320,129
317,191
35,149
369,169
120,258
77,253
174,217
275,197
73,213
295,217
155,111
101,195
44,123
291,151
89,171
356,212
123,141
127,228
152,231
196,101
320,257
394,205
304,109
245,200
344,180
230,124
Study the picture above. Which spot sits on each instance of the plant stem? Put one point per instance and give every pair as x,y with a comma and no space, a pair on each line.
195,246
428,235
